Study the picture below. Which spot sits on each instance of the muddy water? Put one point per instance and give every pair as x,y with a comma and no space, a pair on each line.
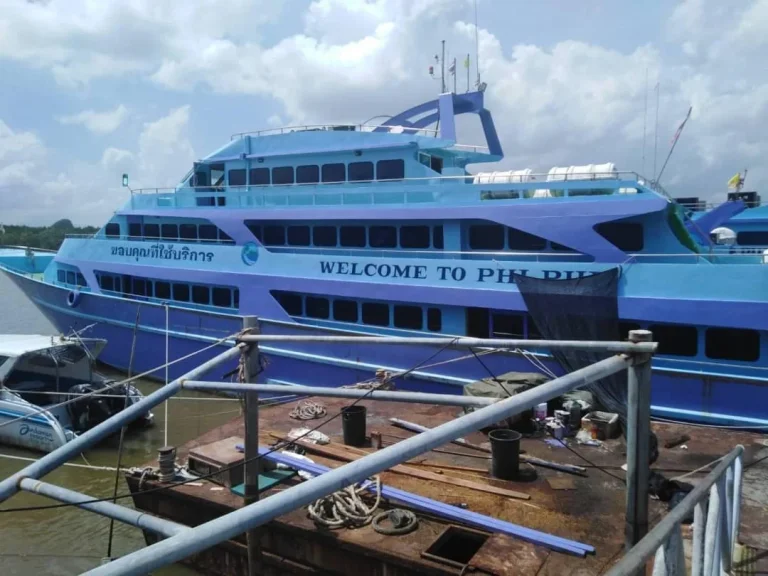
64,542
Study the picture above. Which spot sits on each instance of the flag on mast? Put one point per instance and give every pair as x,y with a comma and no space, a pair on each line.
452,67
680,129
466,61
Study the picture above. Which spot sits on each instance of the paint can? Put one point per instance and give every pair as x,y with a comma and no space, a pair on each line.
540,411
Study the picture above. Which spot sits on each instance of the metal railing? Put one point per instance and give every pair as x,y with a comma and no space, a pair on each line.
633,356
716,506
336,128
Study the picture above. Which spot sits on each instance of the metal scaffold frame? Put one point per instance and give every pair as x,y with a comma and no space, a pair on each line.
181,541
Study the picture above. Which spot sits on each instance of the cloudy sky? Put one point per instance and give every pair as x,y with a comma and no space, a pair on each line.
91,88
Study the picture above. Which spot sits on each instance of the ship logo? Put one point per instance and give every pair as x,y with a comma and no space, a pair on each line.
250,253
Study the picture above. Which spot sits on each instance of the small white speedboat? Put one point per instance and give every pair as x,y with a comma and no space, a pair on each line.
49,391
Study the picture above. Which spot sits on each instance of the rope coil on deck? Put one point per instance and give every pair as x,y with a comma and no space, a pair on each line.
402,521
345,508
308,410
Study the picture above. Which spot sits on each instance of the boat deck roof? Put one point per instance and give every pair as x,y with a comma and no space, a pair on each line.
587,509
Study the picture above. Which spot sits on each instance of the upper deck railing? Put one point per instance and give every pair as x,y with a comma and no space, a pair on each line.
337,128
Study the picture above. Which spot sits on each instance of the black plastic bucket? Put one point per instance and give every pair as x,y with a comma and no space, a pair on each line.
505,453
353,425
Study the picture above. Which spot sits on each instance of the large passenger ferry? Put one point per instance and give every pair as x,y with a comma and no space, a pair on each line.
384,230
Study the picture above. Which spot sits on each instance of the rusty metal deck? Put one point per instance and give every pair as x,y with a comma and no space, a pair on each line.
588,509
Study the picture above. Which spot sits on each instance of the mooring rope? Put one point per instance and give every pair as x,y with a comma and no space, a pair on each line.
345,508
308,410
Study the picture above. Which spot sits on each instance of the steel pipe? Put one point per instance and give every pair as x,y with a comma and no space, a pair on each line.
591,345
639,554
413,397
53,460
110,510
235,523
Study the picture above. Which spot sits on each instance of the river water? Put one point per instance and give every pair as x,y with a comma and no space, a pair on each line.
68,541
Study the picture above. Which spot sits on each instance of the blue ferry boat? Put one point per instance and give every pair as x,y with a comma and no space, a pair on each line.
383,230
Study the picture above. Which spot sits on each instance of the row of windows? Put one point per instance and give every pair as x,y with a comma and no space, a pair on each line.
374,236
220,296
627,236
405,316
185,232
674,340
313,174
70,277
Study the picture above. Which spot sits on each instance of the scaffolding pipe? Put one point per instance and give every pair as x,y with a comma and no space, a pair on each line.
110,510
414,397
588,345
53,460
235,523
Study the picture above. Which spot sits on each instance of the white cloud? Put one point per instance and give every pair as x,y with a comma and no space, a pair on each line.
165,152
98,122
23,144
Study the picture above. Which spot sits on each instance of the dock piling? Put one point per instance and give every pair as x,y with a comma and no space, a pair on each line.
638,434
250,360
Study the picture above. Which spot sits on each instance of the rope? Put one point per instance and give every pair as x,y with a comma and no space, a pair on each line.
345,508
308,410
72,464
402,521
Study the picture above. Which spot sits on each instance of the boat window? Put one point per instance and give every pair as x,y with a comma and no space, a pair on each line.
207,232
626,236
334,172
274,235
675,339
169,231
752,238
201,179
118,284
508,325
324,236
376,314
390,169
519,240
486,237
317,307
107,282
152,231
560,247
353,236
436,163
139,287
434,319
414,236
236,298
200,295
360,171
308,174
437,237
532,331
282,175
258,176
163,290
478,320
382,236
733,344
409,317
70,277
257,231
217,174
80,280
134,230
181,292
222,297
291,303
298,235
345,310
188,231
112,230
237,177
61,276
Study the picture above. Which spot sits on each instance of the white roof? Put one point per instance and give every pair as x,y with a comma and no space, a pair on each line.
15,345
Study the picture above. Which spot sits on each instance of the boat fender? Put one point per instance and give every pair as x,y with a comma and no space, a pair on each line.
73,298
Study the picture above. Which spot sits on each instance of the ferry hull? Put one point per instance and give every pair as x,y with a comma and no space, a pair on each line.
124,323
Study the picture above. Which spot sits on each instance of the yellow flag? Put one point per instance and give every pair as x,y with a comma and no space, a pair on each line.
466,62
734,182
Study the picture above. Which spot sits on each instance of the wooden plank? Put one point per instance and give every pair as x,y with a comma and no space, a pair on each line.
348,454
501,555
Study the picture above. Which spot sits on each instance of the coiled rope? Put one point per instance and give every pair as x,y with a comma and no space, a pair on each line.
345,508
402,522
308,410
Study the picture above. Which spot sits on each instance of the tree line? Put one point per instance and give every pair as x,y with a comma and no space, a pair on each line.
47,237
